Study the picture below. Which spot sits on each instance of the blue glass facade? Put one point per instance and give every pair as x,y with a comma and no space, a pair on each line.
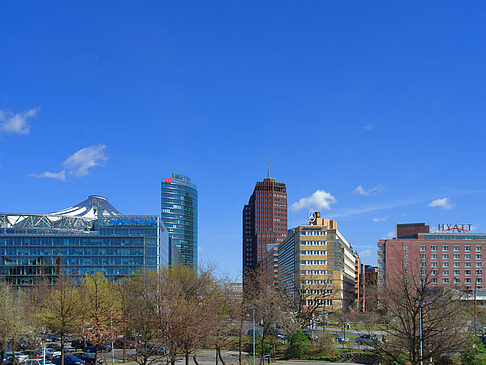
118,246
179,214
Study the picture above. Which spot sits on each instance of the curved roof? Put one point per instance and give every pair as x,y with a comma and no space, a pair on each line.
96,206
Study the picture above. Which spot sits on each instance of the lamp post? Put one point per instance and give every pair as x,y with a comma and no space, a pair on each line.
475,287
421,305
253,334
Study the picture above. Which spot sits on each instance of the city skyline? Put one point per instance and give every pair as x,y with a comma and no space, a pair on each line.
371,114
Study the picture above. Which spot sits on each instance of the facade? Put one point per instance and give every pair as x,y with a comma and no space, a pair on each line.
317,261
91,236
369,276
264,222
449,257
179,214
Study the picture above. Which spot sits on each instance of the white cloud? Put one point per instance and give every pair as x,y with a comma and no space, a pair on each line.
319,200
81,161
381,219
443,203
474,227
365,253
360,190
369,126
389,235
52,175
11,123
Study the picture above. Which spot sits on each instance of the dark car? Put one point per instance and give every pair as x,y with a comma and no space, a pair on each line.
370,340
151,349
68,360
99,348
78,344
88,358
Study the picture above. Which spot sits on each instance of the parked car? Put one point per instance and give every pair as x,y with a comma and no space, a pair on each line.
370,339
68,360
50,353
257,332
275,332
37,362
19,356
54,346
78,344
88,358
341,339
100,348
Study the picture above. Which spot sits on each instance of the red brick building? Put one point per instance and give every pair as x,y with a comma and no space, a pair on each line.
264,221
451,256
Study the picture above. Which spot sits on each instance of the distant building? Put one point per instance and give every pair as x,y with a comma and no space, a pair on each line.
88,237
316,259
179,214
451,256
264,222
369,289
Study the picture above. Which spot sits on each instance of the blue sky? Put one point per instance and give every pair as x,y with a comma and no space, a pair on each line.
378,107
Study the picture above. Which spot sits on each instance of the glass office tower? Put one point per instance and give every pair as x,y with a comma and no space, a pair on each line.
91,236
179,214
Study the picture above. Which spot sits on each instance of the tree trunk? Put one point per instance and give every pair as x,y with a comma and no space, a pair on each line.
216,349
124,349
2,354
14,360
262,359
240,336
62,349
96,355
194,358
187,357
220,356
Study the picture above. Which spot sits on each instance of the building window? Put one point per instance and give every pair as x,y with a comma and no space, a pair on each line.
405,255
445,272
445,280
479,256
445,248
457,272
457,256
480,280
445,256
433,248
479,272
467,256
422,272
381,248
434,280
445,264
433,256
433,272
478,248
405,247
467,272
423,264
467,264
433,264
423,248
423,256
467,248
405,263
456,248
381,256
478,264
457,264
457,280
468,280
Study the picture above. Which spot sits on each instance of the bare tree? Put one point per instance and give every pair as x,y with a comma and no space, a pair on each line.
424,321
11,318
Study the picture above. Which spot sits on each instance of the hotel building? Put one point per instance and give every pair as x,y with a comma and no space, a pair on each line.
451,256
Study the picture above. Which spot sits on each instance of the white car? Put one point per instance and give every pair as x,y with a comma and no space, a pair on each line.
50,353
19,356
37,362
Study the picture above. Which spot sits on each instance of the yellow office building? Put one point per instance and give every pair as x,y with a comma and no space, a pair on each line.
316,263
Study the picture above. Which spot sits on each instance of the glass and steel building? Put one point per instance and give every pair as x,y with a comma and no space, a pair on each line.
91,236
179,214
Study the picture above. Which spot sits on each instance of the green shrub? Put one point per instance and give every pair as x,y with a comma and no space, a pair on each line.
299,345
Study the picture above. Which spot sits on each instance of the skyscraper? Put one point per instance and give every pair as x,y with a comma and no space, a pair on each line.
264,221
179,214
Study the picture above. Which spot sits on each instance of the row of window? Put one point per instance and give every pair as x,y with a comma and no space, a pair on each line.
445,248
455,273
313,262
313,252
317,291
316,281
445,256
313,243
313,233
313,272
445,264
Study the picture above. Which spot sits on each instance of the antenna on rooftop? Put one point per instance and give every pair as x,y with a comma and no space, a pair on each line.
268,167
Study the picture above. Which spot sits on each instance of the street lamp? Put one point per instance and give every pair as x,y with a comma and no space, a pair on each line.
475,286
254,334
